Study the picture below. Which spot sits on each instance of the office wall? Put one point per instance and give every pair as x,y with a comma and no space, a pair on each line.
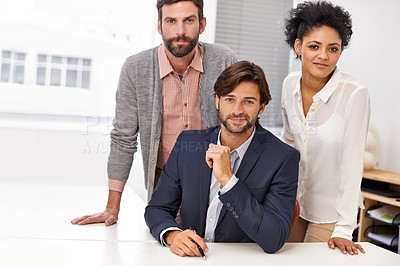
373,57
106,36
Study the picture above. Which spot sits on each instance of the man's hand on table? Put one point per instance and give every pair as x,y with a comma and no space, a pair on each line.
183,243
108,217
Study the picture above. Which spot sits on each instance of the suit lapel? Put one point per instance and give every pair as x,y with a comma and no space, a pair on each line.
205,181
250,158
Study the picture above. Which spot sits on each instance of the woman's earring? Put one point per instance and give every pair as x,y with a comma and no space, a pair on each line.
298,54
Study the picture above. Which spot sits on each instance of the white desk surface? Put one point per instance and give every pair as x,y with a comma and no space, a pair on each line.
21,252
35,229
45,211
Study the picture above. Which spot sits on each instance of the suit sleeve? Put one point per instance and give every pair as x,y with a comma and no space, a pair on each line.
161,211
267,223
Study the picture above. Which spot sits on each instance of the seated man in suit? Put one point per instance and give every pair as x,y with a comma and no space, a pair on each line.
235,182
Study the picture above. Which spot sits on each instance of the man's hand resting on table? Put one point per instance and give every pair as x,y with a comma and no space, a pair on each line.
108,217
183,243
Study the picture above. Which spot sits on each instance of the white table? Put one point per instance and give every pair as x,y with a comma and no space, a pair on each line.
45,210
35,229
22,251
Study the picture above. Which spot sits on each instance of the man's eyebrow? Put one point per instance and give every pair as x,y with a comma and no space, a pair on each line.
185,18
191,16
250,98
247,98
168,18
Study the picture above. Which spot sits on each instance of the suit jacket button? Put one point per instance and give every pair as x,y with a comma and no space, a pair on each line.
236,216
228,204
231,208
234,212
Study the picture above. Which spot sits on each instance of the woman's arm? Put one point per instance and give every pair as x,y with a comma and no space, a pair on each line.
357,117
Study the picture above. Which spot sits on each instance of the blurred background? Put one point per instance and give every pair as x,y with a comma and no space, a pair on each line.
60,62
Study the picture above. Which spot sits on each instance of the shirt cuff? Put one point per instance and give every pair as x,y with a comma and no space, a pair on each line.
230,184
162,240
343,232
116,185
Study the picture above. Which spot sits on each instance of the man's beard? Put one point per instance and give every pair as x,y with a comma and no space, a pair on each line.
247,126
181,50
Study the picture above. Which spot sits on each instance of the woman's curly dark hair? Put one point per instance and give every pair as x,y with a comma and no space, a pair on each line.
309,15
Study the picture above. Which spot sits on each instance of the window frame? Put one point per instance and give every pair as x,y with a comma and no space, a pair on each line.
13,62
60,63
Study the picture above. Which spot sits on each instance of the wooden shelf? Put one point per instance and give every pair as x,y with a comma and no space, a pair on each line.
372,199
383,176
382,199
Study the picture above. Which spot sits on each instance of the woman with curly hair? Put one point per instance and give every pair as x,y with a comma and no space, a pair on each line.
326,115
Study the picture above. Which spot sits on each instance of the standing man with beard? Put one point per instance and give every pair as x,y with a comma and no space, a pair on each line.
235,183
161,92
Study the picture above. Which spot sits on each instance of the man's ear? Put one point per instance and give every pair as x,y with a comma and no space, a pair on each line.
262,108
159,26
216,102
203,24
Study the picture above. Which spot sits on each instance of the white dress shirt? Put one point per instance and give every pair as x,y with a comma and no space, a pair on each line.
215,205
331,141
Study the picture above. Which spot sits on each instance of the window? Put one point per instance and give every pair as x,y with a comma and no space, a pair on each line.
12,67
72,72
254,30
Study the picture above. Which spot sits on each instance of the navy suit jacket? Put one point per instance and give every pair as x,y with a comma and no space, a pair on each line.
259,208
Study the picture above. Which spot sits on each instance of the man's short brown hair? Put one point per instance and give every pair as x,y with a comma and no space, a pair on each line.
242,71
161,3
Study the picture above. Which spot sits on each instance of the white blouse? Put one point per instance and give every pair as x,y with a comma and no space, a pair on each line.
331,141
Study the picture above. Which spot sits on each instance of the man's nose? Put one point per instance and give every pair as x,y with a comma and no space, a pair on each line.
180,29
237,108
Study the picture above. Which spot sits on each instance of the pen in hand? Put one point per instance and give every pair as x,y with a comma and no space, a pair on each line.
198,246
201,251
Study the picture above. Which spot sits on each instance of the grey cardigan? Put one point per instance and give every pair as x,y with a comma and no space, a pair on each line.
139,108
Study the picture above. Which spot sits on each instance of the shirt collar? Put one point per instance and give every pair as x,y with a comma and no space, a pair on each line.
241,150
326,92
165,66
296,91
